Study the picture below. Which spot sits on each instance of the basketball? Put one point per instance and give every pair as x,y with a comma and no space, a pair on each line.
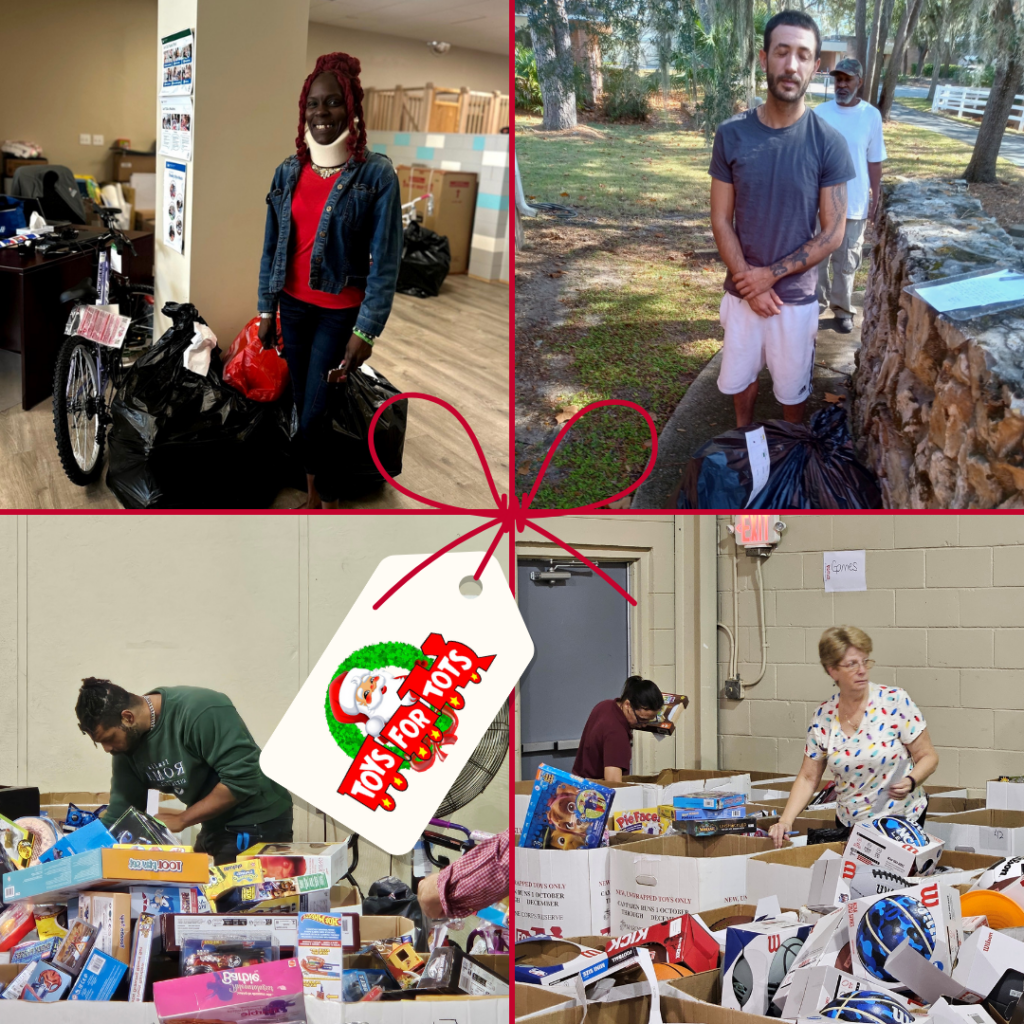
902,830
868,1007
669,972
742,980
783,960
886,924
844,959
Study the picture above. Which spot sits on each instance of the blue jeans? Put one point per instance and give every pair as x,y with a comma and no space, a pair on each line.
314,343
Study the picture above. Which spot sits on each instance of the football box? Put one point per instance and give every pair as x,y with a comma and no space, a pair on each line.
928,914
99,978
565,811
869,845
757,958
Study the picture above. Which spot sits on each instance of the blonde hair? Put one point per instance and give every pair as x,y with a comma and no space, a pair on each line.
835,642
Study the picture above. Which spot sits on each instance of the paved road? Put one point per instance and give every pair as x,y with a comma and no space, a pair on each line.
901,90
1012,147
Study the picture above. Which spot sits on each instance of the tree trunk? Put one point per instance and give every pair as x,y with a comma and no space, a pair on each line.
873,51
887,20
903,34
552,47
860,17
941,49
1007,84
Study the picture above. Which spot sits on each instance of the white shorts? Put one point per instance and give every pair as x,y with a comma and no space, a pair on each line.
785,343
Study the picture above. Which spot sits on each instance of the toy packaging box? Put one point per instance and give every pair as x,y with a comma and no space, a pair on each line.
926,915
683,940
77,945
673,813
138,827
286,860
93,836
15,923
664,721
649,822
449,971
709,800
99,978
46,984
272,991
757,957
561,964
991,964
232,876
707,827
168,899
206,956
175,928
319,952
565,812
891,850
111,913
828,945
300,892
29,952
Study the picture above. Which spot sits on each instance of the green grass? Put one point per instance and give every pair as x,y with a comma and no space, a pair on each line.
646,335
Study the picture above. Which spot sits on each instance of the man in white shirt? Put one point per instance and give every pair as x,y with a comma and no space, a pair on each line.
860,124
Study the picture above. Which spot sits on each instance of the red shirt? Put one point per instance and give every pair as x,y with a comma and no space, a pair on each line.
607,742
477,879
308,201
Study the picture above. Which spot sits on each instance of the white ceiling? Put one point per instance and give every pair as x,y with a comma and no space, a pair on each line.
476,24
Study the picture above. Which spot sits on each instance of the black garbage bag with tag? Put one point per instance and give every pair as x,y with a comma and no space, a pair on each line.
182,440
339,439
812,466
391,897
426,260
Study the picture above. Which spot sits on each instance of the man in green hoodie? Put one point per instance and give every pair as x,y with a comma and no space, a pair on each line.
193,743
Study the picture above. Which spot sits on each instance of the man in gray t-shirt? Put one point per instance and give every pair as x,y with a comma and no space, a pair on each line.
776,170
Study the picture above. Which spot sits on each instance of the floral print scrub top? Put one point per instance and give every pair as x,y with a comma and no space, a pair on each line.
864,763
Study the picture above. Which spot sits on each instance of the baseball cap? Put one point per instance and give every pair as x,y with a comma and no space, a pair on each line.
849,66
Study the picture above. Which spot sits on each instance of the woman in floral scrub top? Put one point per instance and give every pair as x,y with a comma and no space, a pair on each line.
863,732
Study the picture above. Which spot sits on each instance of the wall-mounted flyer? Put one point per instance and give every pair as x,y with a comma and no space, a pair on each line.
178,63
173,212
176,127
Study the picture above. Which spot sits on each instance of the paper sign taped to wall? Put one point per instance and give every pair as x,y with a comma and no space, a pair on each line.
844,570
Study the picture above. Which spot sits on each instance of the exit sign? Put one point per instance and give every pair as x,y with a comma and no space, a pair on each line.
756,531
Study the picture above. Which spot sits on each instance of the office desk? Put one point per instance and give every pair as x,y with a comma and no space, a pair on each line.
32,317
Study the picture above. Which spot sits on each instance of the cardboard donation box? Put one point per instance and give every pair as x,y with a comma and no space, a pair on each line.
533,999
790,875
994,832
1003,795
125,164
657,879
562,892
453,208
991,966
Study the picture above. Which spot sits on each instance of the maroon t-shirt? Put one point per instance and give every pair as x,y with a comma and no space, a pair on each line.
607,742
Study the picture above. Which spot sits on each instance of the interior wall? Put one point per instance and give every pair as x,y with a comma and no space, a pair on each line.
71,68
244,605
944,608
388,61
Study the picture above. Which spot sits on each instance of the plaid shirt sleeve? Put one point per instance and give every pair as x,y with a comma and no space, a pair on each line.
477,879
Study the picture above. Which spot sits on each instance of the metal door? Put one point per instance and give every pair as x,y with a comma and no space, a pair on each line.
580,628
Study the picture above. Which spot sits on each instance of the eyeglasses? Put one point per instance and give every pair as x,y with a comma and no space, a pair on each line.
850,665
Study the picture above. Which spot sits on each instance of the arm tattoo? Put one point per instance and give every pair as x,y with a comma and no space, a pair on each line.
798,260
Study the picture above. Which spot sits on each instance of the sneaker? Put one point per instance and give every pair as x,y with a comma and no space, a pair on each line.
844,324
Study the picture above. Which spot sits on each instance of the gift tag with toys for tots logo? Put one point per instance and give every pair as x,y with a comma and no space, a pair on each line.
400,698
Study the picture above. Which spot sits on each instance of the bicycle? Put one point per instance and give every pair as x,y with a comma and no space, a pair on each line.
91,362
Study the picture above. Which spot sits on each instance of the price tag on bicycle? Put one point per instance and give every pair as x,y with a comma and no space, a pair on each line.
397,703
99,325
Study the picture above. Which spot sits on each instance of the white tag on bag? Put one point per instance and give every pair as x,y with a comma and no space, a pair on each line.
400,698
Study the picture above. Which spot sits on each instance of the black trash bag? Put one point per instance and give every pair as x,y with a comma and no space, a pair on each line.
340,437
819,836
426,260
812,467
391,897
179,440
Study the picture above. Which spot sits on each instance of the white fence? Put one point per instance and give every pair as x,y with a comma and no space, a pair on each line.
972,102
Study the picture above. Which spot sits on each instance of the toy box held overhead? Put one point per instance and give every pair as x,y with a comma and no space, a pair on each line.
565,812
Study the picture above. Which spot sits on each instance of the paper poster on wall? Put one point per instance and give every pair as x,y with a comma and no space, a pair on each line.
177,63
173,212
844,570
176,127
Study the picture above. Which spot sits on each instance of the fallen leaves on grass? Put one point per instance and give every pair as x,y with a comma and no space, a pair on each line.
621,503
834,399
566,413
556,273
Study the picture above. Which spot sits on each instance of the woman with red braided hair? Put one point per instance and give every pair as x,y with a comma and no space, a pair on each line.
331,249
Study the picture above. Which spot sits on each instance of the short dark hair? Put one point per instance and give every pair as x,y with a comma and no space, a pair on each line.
797,18
100,703
642,693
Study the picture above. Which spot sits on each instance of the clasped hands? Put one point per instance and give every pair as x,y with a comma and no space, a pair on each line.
755,286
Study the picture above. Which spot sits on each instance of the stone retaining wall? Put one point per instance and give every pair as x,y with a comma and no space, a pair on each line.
939,405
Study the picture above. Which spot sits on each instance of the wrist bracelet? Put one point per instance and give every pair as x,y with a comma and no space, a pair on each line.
266,316
366,337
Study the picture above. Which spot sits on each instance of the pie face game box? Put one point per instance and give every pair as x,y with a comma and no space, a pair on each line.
565,812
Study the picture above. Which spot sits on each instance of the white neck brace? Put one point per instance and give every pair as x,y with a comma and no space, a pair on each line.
333,155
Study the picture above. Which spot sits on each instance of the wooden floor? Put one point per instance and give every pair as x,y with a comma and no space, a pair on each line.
454,346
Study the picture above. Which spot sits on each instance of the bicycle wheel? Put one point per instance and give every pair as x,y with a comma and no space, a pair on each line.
77,403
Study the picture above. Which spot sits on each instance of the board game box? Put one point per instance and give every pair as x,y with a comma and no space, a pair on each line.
565,812
46,983
99,977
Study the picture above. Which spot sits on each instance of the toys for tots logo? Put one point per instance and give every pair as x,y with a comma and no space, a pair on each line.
394,706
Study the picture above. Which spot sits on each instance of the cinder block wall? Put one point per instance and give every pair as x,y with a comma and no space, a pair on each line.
944,607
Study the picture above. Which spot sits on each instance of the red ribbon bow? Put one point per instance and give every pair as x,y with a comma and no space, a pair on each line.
510,512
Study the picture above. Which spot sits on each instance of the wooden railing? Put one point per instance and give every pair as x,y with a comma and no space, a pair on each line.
431,108
960,101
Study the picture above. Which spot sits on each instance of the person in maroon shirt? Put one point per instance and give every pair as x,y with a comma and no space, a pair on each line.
606,747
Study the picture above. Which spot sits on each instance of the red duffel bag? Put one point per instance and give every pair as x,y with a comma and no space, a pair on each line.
260,374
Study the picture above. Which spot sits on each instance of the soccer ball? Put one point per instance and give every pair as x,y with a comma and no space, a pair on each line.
886,924
867,1007
783,960
902,830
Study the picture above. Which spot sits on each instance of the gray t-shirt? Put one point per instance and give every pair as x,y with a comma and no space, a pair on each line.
777,173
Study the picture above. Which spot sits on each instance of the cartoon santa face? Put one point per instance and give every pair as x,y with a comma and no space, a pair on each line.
369,697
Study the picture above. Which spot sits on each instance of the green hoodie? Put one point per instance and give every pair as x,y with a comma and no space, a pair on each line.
199,740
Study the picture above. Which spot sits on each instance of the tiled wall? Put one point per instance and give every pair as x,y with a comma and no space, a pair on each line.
484,155
944,608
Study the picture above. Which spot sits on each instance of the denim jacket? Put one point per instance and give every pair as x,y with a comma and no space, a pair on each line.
359,242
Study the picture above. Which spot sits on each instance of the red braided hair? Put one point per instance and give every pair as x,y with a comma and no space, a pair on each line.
345,70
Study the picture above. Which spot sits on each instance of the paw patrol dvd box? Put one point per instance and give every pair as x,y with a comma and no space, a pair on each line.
565,812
